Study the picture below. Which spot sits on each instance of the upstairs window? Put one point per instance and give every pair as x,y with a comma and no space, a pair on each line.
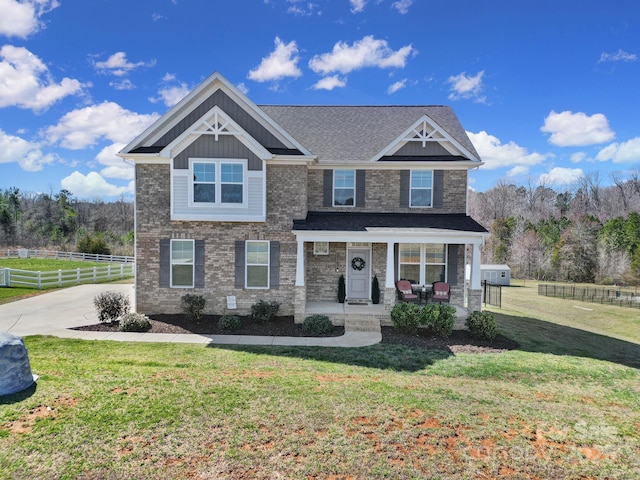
344,188
217,182
421,194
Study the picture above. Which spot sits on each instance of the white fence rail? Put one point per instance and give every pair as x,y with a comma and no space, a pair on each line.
83,257
11,277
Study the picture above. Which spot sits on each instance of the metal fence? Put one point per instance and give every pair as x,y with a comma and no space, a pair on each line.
54,255
492,294
603,295
11,277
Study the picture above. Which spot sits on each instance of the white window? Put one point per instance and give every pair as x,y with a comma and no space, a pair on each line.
257,264
422,264
344,188
321,248
182,263
421,194
217,182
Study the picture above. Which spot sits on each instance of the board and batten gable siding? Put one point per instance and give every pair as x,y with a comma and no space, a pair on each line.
416,149
231,108
226,146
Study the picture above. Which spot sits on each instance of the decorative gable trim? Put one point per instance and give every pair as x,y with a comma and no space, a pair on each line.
214,123
179,111
426,130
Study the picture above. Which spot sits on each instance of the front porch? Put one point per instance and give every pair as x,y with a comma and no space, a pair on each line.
366,317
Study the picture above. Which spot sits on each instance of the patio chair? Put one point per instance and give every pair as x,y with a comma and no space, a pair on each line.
441,292
405,293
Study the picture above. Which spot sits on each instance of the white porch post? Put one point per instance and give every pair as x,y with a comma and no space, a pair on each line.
389,280
475,268
300,264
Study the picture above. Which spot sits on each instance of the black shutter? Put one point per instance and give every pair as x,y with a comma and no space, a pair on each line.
405,178
438,188
360,188
327,189
239,264
274,265
165,262
198,278
452,265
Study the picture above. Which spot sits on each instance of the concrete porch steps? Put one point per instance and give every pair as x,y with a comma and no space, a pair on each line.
362,323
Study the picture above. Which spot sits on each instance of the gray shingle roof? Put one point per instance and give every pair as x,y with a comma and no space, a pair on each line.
346,134
359,222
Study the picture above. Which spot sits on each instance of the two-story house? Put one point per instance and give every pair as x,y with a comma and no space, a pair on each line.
277,202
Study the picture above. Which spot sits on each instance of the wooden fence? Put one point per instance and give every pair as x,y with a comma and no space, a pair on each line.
11,277
54,255
604,295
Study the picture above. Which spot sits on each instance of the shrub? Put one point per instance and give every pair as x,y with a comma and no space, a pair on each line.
134,322
317,324
264,311
482,325
111,305
429,314
193,306
230,322
406,317
93,244
443,322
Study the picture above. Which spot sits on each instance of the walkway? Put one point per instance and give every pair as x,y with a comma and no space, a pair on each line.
56,313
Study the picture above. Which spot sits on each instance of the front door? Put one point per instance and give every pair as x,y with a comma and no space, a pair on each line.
358,275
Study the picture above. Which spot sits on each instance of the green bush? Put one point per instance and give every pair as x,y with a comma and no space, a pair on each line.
264,311
134,322
193,306
482,325
406,317
229,322
443,322
93,244
317,324
111,305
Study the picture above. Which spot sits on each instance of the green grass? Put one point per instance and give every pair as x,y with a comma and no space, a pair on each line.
45,265
565,404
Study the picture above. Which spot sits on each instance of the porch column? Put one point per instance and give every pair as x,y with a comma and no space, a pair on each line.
474,281
389,280
300,264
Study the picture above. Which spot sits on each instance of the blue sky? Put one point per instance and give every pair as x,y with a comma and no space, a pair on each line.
547,90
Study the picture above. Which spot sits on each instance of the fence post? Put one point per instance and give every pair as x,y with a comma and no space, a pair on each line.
39,280
95,275
109,272
78,276
59,278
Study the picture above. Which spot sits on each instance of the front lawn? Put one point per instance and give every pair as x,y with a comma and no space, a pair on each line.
123,410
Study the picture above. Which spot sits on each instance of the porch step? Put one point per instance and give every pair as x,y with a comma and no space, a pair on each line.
361,323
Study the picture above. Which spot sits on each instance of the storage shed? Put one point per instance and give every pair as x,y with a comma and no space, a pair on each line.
496,274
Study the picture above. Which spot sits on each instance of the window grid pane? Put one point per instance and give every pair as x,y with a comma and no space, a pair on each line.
421,188
257,264
182,257
344,182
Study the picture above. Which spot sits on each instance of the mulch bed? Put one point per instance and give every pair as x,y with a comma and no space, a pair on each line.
459,342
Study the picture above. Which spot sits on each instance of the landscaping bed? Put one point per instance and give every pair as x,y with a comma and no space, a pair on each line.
458,342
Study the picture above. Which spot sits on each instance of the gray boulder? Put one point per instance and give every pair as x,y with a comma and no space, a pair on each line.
15,370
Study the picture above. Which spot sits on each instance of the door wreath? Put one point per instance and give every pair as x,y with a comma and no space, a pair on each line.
357,263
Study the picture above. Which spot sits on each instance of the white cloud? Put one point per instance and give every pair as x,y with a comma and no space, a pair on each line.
578,157
83,127
280,63
466,87
118,65
25,81
619,56
243,88
402,6
399,85
329,83
26,154
570,129
171,95
21,19
495,154
303,8
123,84
93,185
115,167
624,152
357,6
561,176
368,52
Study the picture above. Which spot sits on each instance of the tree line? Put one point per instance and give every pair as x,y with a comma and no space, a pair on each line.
61,221
586,233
